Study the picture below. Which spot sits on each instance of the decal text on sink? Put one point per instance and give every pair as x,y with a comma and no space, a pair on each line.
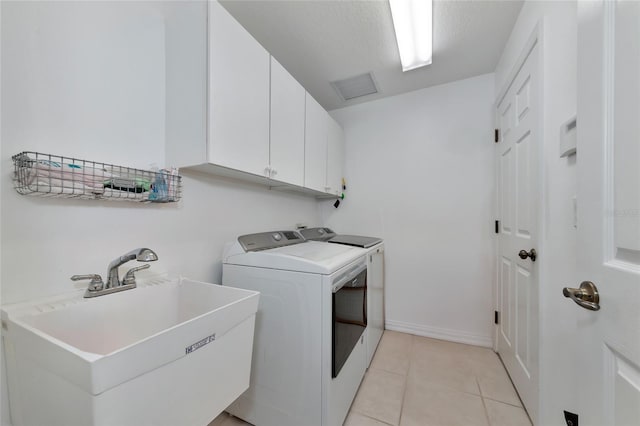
200,344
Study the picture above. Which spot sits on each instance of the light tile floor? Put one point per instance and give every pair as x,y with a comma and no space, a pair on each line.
417,381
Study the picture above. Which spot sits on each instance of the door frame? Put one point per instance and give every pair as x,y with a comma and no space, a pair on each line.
535,39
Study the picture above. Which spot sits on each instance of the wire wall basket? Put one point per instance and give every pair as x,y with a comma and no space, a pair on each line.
48,175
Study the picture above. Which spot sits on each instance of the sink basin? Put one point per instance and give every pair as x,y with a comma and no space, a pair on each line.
172,351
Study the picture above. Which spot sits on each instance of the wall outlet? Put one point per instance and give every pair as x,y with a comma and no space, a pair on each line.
571,418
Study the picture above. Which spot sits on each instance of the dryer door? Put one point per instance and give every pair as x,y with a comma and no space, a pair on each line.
349,317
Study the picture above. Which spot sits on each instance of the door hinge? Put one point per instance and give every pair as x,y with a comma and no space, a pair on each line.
496,137
496,317
571,418
497,227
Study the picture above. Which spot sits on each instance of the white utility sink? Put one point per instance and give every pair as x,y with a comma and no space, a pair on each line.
170,352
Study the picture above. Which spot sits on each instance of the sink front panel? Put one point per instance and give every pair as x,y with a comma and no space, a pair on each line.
190,391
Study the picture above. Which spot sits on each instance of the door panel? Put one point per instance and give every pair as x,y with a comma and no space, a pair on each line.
609,211
517,154
507,185
505,119
626,105
621,389
523,286
523,99
505,302
523,192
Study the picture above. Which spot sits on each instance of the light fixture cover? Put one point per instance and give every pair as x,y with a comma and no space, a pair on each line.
413,23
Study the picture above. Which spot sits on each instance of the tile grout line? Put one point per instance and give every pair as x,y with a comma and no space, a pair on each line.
484,405
513,386
406,379
502,402
395,373
373,418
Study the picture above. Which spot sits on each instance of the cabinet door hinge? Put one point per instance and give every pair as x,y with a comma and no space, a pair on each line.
496,137
497,227
496,317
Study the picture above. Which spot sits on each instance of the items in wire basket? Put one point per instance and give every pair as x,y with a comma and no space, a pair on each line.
52,176
159,188
49,175
137,185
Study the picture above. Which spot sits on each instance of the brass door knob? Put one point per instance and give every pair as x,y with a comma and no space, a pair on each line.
586,296
532,254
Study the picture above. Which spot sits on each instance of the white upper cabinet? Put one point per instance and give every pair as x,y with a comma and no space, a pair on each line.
238,113
335,157
233,110
315,152
287,127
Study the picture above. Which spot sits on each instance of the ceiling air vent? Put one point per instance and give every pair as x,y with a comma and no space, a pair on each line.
354,87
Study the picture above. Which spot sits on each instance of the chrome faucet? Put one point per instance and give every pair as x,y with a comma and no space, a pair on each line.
140,254
98,288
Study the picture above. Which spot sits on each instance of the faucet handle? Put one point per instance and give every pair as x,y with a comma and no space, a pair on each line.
130,278
95,284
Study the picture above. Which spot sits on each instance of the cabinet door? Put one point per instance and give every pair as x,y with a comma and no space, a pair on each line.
375,301
315,152
287,126
335,157
238,133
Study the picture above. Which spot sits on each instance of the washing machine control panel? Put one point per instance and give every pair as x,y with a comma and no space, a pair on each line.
268,240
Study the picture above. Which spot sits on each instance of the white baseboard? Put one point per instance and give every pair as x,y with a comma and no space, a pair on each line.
440,333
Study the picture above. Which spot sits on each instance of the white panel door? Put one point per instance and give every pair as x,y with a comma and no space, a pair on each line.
315,145
335,157
608,356
287,126
238,133
517,158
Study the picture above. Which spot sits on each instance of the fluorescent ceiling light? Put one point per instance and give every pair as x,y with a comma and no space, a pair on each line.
412,20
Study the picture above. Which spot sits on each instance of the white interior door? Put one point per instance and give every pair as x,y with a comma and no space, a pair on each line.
608,356
517,292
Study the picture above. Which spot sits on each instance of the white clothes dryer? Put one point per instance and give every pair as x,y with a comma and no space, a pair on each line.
309,353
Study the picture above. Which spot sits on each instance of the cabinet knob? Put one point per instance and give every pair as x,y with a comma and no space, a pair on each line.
274,172
267,171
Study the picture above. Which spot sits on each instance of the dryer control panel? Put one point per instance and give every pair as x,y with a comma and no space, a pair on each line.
269,240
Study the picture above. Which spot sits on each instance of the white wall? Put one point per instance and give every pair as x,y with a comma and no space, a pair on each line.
558,261
87,79
419,171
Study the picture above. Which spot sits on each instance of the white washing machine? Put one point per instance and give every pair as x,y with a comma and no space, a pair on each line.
309,352
374,248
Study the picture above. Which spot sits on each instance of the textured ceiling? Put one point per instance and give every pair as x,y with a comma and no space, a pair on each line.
321,41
